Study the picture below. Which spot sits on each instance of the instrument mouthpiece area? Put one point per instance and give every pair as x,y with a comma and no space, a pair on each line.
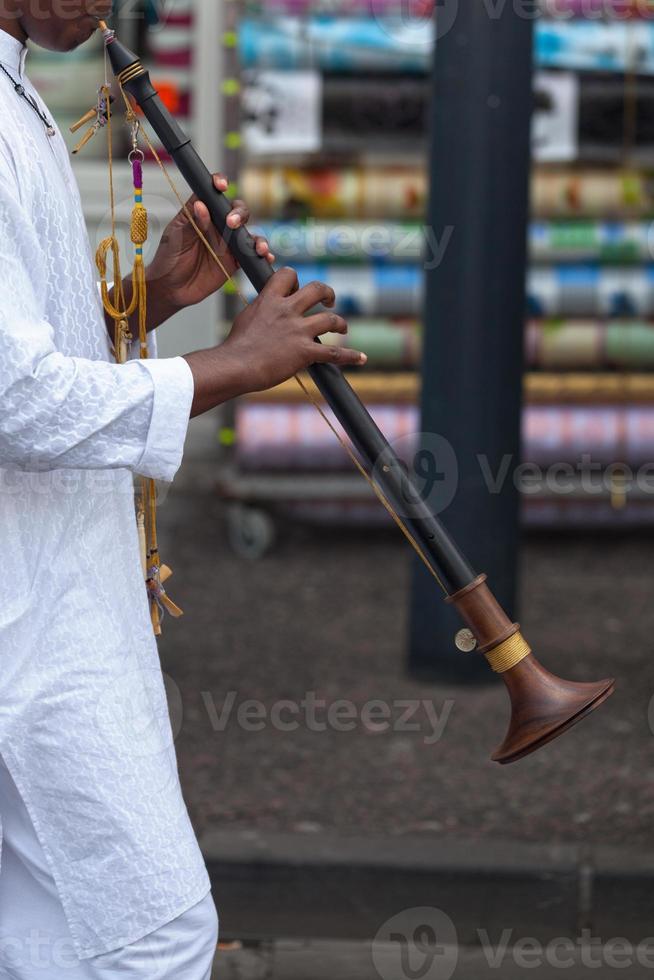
107,32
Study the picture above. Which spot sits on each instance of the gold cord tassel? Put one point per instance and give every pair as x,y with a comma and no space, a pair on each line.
120,312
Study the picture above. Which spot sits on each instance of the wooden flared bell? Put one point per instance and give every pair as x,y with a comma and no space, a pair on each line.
544,706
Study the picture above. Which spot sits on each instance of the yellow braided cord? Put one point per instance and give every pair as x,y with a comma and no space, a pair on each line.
139,226
508,654
115,312
141,289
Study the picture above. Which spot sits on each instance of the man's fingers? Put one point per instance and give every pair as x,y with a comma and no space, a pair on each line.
263,248
313,294
239,215
199,210
325,323
202,216
282,283
343,356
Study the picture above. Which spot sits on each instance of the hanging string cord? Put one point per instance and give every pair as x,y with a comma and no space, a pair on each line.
116,310
379,493
146,494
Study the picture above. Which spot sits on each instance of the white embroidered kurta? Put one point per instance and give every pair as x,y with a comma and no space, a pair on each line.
84,725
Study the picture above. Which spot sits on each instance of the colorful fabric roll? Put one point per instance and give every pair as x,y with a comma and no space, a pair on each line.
542,513
595,45
540,388
172,47
587,118
611,243
400,193
389,344
406,44
388,290
355,241
171,56
324,193
343,8
559,513
397,388
292,437
175,86
615,113
349,113
550,345
593,118
170,52
590,388
606,434
295,437
566,345
360,44
592,194
398,44
590,290
591,241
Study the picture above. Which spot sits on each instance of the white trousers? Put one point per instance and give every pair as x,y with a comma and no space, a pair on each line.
35,942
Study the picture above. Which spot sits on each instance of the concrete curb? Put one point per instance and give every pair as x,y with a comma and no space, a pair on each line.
317,887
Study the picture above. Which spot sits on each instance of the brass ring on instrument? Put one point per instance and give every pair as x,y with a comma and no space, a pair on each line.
132,72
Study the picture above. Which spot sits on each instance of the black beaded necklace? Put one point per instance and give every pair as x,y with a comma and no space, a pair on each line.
20,91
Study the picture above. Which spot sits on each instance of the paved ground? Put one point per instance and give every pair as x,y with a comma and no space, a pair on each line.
326,613
386,961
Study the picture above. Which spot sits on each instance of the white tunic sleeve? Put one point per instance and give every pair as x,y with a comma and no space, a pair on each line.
59,411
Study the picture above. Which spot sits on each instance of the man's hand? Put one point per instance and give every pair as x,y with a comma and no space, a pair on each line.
183,272
270,341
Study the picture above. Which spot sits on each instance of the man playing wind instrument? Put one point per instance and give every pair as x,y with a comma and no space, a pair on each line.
101,874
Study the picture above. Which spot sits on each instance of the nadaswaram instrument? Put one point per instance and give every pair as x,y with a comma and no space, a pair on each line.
543,706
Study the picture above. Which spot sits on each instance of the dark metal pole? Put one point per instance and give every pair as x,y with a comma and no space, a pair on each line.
472,368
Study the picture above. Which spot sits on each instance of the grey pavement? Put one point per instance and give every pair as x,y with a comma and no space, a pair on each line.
324,617
288,960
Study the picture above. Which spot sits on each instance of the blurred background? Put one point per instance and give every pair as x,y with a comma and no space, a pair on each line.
476,183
